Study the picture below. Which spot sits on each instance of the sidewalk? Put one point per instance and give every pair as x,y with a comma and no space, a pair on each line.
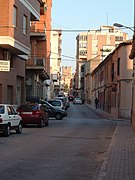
119,161
104,114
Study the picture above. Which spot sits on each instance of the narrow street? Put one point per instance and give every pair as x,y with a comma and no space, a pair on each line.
69,149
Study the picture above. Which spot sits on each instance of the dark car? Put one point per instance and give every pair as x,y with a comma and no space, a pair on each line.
54,112
33,113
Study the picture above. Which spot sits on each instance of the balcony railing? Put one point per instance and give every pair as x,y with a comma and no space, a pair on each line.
38,66
36,63
37,29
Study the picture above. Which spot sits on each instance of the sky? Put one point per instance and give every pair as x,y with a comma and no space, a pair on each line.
71,16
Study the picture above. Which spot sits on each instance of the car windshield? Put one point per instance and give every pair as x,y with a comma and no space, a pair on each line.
55,103
28,107
48,105
63,99
77,99
1,109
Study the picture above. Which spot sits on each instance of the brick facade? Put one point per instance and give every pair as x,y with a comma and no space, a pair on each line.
14,42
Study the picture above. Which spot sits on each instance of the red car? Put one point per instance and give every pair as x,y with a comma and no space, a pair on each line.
33,114
70,97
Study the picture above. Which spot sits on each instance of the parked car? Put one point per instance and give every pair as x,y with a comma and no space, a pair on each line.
33,113
54,112
63,99
9,120
77,100
57,103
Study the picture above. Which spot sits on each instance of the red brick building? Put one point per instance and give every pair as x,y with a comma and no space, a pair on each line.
15,17
38,65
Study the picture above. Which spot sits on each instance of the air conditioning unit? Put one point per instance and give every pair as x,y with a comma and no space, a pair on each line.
7,55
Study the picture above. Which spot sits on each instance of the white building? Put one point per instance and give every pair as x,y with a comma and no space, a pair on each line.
55,60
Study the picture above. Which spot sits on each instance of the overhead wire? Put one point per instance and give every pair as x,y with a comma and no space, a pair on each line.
64,30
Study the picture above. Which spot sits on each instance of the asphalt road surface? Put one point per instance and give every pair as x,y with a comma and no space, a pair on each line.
69,149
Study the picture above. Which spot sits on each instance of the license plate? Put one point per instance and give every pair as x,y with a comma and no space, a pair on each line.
26,113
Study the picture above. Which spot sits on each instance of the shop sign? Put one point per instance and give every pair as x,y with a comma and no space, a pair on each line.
4,65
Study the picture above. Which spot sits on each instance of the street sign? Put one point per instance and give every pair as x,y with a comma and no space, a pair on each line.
4,65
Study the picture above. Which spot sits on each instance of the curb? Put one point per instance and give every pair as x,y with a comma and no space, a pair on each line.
103,168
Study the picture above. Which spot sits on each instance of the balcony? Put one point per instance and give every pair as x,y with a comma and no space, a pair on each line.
37,65
37,30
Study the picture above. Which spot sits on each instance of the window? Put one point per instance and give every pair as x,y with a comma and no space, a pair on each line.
2,110
25,24
83,53
112,71
101,76
15,16
82,68
83,37
39,62
83,45
10,112
13,110
118,38
118,66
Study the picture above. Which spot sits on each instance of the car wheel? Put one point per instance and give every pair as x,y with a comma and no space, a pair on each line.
58,116
7,131
47,120
19,129
41,124
23,124
46,123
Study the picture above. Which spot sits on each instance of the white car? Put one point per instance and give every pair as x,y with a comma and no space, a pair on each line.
9,120
77,100
57,103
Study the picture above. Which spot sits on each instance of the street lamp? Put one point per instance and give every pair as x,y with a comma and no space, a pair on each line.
121,25
132,54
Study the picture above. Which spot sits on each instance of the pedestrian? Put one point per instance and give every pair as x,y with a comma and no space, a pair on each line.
96,102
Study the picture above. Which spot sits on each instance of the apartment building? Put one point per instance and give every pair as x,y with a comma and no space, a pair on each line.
38,64
55,61
92,47
112,82
15,46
